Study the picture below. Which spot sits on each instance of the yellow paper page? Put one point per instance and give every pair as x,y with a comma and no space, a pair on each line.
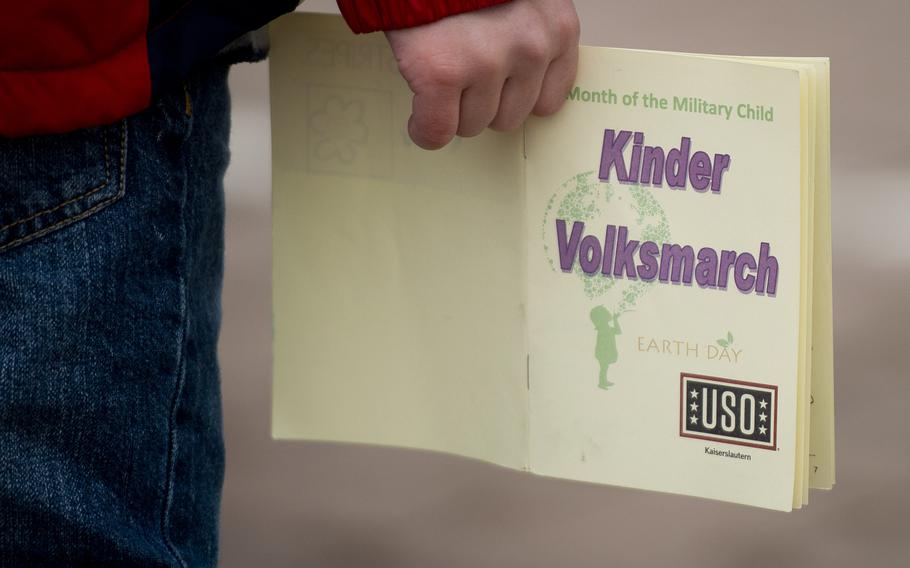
819,435
821,444
807,171
821,463
801,494
614,360
398,278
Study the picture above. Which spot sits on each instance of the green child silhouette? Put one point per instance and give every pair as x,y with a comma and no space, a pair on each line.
607,326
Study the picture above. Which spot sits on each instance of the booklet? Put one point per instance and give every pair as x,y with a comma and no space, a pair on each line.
635,291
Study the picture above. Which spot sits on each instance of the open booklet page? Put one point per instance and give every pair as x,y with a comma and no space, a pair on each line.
664,231
398,274
816,429
622,293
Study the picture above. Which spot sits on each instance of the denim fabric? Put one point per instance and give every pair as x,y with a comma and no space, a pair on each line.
111,263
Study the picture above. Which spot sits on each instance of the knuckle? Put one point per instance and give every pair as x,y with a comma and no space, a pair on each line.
444,76
485,64
435,72
535,50
568,27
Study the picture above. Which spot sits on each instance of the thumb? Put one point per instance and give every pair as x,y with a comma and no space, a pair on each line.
434,116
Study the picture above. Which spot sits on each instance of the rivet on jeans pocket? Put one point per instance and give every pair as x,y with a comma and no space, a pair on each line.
188,101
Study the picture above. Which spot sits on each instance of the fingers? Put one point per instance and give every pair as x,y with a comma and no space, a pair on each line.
442,110
539,86
434,116
489,68
562,70
519,96
557,82
479,106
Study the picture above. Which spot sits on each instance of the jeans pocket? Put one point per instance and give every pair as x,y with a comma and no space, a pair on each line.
50,181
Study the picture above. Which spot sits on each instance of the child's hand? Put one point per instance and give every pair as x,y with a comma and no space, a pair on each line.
492,67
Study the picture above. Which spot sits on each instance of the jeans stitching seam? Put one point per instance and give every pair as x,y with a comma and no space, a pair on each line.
90,191
172,444
73,218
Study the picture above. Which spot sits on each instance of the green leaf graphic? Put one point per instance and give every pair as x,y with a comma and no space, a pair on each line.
729,337
722,342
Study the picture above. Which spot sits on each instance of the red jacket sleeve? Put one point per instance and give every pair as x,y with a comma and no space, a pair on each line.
371,15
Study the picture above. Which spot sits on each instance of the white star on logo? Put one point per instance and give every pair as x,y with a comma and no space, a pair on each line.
693,419
694,407
762,416
762,430
694,393
763,403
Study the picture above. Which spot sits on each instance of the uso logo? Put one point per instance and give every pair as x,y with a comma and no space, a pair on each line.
724,410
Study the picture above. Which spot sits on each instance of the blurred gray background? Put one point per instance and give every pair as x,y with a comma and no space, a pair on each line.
325,505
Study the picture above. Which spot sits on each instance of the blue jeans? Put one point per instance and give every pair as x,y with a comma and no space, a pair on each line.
111,262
